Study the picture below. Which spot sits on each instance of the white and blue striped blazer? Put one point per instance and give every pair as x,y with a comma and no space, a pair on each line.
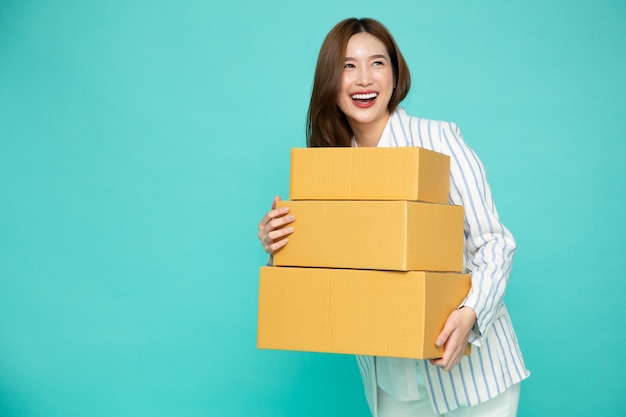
495,362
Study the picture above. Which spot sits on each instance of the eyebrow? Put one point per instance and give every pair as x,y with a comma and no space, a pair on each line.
379,56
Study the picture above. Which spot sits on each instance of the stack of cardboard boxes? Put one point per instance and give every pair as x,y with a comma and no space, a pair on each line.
373,264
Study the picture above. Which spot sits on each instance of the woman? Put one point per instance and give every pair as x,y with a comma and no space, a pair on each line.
360,79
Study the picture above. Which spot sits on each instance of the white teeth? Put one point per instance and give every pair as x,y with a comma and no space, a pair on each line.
364,96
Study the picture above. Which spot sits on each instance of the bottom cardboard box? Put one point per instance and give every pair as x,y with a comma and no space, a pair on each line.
367,312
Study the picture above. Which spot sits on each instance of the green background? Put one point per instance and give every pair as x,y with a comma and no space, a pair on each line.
142,141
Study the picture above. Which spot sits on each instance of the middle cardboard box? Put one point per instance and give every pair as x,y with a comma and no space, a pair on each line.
380,235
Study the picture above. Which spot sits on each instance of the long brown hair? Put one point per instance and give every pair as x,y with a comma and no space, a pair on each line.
326,124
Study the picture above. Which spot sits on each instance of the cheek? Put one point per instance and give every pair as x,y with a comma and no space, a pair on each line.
389,78
343,91
345,82
342,103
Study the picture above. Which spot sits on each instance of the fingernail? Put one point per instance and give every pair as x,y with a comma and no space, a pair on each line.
291,218
284,210
290,229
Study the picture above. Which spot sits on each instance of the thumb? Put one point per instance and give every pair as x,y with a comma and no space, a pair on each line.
277,198
443,337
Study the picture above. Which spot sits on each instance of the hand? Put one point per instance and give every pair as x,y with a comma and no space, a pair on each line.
454,337
272,234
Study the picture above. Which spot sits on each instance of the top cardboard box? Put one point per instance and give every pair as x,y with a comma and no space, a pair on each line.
406,173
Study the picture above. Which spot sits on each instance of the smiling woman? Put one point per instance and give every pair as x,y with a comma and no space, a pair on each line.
358,56
360,79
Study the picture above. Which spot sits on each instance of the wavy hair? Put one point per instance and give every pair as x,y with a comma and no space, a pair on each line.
326,124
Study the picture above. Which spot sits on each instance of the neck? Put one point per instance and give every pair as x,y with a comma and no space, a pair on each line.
369,135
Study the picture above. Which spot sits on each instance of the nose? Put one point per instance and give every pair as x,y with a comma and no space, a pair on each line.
364,77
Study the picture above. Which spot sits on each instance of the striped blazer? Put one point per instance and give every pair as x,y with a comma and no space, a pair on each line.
495,362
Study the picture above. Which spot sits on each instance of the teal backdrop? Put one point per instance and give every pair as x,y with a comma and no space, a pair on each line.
142,141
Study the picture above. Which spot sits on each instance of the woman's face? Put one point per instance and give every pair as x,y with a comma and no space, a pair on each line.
367,83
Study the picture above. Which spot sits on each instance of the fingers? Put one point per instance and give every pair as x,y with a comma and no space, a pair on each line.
453,338
272,228
273,213
281,220
452,355
274,219
273,247
275,239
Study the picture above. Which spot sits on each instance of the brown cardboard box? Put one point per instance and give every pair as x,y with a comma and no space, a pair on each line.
408,173
381,313
386,235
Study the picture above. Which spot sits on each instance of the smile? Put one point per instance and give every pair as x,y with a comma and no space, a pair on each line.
369,96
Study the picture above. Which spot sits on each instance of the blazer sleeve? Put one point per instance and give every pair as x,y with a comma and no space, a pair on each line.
489,246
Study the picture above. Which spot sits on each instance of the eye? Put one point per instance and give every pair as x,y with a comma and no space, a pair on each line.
349,66
378,63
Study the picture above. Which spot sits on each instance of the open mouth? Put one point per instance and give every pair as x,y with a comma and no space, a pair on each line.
364,98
